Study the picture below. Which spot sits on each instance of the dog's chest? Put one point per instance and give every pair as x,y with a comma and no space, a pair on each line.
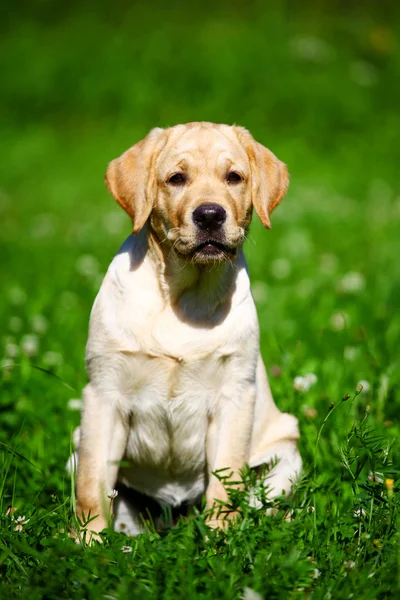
169,386
168,402
168,375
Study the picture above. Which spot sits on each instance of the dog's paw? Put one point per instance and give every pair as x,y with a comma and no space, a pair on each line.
85,536
223,520
87,529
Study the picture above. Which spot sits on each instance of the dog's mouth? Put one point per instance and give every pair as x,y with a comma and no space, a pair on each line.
209,250
213,247
213,250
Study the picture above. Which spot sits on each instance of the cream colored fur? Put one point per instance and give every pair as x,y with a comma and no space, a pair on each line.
177,385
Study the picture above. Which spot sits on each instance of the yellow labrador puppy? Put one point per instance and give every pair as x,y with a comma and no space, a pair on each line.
177,387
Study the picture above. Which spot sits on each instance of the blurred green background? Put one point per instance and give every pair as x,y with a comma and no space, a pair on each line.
316,82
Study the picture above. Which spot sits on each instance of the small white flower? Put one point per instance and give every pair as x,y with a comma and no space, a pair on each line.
310,509
20,522
339,321
112,494
51,358
126,549
17,295
114,222
250,594
311,378
39,324
30,344
311,48
259,290
10,510
75,404
302,383
349,564
364,385
12,349
296,243
350,353
88,266
363,73
351,283
281,268
316,573
6,363
298,383
15,324
359,512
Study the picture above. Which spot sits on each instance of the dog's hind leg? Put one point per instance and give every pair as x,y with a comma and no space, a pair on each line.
286,461
274,441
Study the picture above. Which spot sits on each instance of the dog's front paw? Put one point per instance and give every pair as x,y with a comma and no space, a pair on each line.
220,516
88,527
84,536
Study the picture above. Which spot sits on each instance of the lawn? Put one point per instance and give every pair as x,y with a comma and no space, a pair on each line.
318,84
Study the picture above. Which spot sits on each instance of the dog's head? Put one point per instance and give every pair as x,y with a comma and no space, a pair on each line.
197,184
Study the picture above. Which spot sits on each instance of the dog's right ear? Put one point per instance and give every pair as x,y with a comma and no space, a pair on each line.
130,178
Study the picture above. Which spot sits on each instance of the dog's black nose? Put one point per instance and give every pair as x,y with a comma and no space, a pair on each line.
209,216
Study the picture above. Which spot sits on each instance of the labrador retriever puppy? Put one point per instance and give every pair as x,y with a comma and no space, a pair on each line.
178,388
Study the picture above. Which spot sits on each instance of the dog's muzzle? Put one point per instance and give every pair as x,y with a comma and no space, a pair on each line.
209,219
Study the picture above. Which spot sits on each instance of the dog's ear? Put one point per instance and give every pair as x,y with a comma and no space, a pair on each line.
130,178
270,177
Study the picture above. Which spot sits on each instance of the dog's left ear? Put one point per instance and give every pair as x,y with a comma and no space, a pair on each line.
130,178
270,176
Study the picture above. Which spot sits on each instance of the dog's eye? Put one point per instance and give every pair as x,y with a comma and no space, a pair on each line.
234,177
177,179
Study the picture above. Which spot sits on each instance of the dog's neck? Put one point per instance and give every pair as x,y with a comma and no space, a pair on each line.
196,292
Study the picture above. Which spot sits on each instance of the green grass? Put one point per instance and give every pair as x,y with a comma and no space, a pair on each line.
319,87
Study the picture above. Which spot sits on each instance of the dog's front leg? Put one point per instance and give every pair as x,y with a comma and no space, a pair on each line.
103,437
228,446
